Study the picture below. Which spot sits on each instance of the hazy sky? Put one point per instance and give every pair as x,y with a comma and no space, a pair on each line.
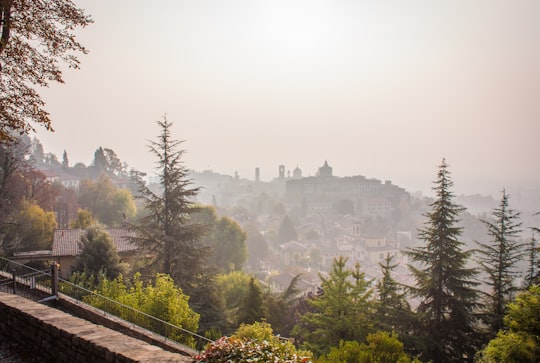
384,89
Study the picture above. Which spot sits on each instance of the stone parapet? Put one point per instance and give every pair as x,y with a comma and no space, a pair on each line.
65,338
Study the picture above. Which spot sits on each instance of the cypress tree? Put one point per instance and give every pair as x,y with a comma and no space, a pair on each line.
445,286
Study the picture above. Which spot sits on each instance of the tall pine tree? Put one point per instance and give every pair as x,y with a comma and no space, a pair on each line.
165,231
445,285
499,259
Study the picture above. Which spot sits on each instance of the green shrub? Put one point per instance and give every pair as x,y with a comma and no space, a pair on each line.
253,343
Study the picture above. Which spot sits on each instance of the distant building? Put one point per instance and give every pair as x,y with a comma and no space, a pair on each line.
355,194
67,246
293,253
297,173
58,176
282,172
325,170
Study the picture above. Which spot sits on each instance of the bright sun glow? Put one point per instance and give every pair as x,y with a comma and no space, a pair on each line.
302,26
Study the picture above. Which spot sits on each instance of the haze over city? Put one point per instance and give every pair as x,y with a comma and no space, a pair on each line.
383,89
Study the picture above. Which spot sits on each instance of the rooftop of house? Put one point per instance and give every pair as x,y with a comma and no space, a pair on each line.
67,241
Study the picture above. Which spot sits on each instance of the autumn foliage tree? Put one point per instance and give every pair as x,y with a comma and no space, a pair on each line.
37,38
31,229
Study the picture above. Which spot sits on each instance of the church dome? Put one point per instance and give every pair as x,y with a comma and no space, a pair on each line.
325,170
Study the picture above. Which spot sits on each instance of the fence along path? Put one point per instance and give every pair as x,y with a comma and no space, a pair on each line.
44,286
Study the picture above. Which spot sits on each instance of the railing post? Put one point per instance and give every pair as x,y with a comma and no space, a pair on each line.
14,277
54,279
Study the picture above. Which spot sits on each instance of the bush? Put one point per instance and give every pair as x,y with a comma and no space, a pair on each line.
231,349
253,343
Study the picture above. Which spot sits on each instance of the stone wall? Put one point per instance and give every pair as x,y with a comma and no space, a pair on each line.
97,316
65,338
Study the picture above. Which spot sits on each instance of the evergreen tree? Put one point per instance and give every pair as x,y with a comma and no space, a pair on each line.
344,310
65,160
207,300
393,310
165,231
287,232
252,308
99,254
533,270
100,161
499,259
445,285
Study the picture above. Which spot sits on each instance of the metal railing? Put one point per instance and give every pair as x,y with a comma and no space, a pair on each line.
21,279
24,280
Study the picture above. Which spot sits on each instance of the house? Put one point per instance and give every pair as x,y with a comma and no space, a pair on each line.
59,176
293,253
377,248
67,246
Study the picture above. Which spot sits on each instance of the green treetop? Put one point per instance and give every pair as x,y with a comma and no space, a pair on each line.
342,312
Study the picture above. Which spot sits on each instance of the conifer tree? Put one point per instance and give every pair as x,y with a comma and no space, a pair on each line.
445,285
287,232
344,310
99,254
165,232
499,259
393,310
65,160
251,308
533,270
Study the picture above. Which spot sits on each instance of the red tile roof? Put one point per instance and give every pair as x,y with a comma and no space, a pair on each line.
67,241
